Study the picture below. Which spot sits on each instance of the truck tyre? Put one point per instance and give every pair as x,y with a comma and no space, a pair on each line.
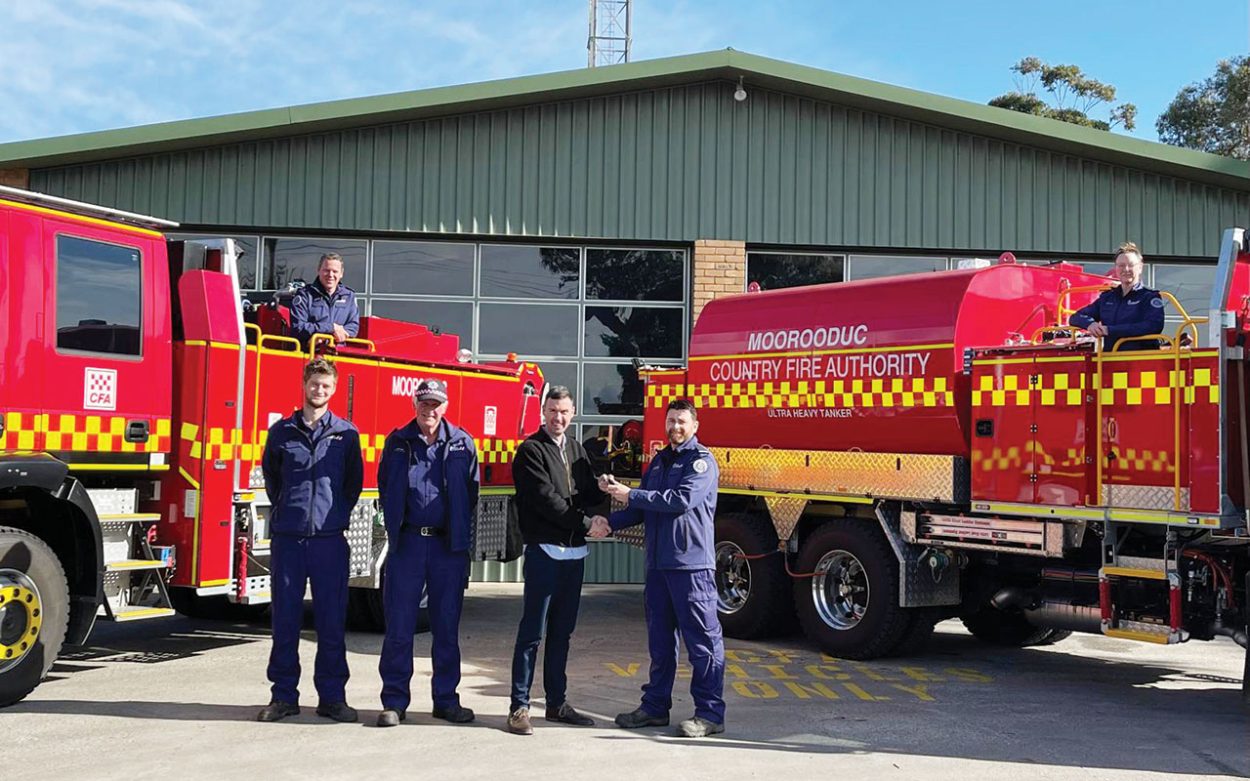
34,612
850,606
919,630
999,627
754,598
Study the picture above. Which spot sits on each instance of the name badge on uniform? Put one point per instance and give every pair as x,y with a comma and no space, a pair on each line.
340,302
1134,302
456,447
700,466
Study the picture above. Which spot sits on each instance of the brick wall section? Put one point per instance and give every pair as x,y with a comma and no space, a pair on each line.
719,268
15,177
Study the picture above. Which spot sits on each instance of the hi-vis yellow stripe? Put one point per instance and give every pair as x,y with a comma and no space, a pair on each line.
1126,389
861,393
227,444
80,433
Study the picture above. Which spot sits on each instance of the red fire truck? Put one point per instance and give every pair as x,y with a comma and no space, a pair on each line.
137,389
898,451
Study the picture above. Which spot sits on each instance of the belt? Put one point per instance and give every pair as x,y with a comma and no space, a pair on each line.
426,531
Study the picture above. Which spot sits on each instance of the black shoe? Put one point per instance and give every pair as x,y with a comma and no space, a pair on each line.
456,714
277,711
566,715
391,717
338,711
640,718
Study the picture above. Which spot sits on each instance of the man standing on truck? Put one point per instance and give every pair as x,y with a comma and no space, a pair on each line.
676,501
428,484
558,499
1128,310
326,306
313,473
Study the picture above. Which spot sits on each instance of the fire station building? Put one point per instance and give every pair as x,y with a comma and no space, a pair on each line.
581,219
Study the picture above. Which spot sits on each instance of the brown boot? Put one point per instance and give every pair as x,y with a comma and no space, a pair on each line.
519,722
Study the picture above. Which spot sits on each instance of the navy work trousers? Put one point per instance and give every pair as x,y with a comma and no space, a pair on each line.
553,593
415,563
684,602
294,562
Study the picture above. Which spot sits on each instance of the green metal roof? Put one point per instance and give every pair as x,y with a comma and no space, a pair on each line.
589,82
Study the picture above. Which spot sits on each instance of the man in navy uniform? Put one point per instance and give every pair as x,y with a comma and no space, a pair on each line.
1128,310
676,501
428,483
326,306
313,473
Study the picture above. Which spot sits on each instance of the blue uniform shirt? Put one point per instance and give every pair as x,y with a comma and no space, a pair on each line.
425,483
676,501
1137,314
455,485
313,476
313,311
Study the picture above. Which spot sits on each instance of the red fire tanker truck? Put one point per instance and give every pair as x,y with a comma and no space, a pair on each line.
898,451
136,391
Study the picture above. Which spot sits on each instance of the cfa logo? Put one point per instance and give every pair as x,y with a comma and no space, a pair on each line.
100,389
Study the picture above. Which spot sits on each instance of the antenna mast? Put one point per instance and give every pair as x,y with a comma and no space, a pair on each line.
611,32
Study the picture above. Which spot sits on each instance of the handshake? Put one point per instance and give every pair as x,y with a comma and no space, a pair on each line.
620,492
599,528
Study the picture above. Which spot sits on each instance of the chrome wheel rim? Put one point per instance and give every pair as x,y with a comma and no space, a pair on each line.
840,590
733,578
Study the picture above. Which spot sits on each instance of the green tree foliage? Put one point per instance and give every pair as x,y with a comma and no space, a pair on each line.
1212,115
1071,96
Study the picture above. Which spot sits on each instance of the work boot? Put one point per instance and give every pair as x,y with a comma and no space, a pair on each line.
699,727
277,711
565,714
519,722
338,711
456,714
391,717
640,718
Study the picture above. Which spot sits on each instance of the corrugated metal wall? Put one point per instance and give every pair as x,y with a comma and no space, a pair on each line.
609,562
674,164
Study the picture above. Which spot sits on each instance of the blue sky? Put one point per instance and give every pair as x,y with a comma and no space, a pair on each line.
69,66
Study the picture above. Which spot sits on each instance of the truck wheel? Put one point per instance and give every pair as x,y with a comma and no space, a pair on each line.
919,630
753,598
34,612
998,627
850,606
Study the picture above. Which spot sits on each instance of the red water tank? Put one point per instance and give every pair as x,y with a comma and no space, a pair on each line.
875,365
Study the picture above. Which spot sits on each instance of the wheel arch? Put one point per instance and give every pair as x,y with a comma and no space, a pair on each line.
38,495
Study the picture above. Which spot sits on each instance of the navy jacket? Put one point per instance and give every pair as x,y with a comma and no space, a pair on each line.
313,311
313,478
1138,314
460,482
676,501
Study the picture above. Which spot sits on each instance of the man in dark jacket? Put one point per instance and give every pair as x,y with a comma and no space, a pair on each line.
313,474
676,501
428,482
558,499
326,306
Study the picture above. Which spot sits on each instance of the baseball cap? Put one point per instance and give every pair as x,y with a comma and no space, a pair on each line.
431,390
